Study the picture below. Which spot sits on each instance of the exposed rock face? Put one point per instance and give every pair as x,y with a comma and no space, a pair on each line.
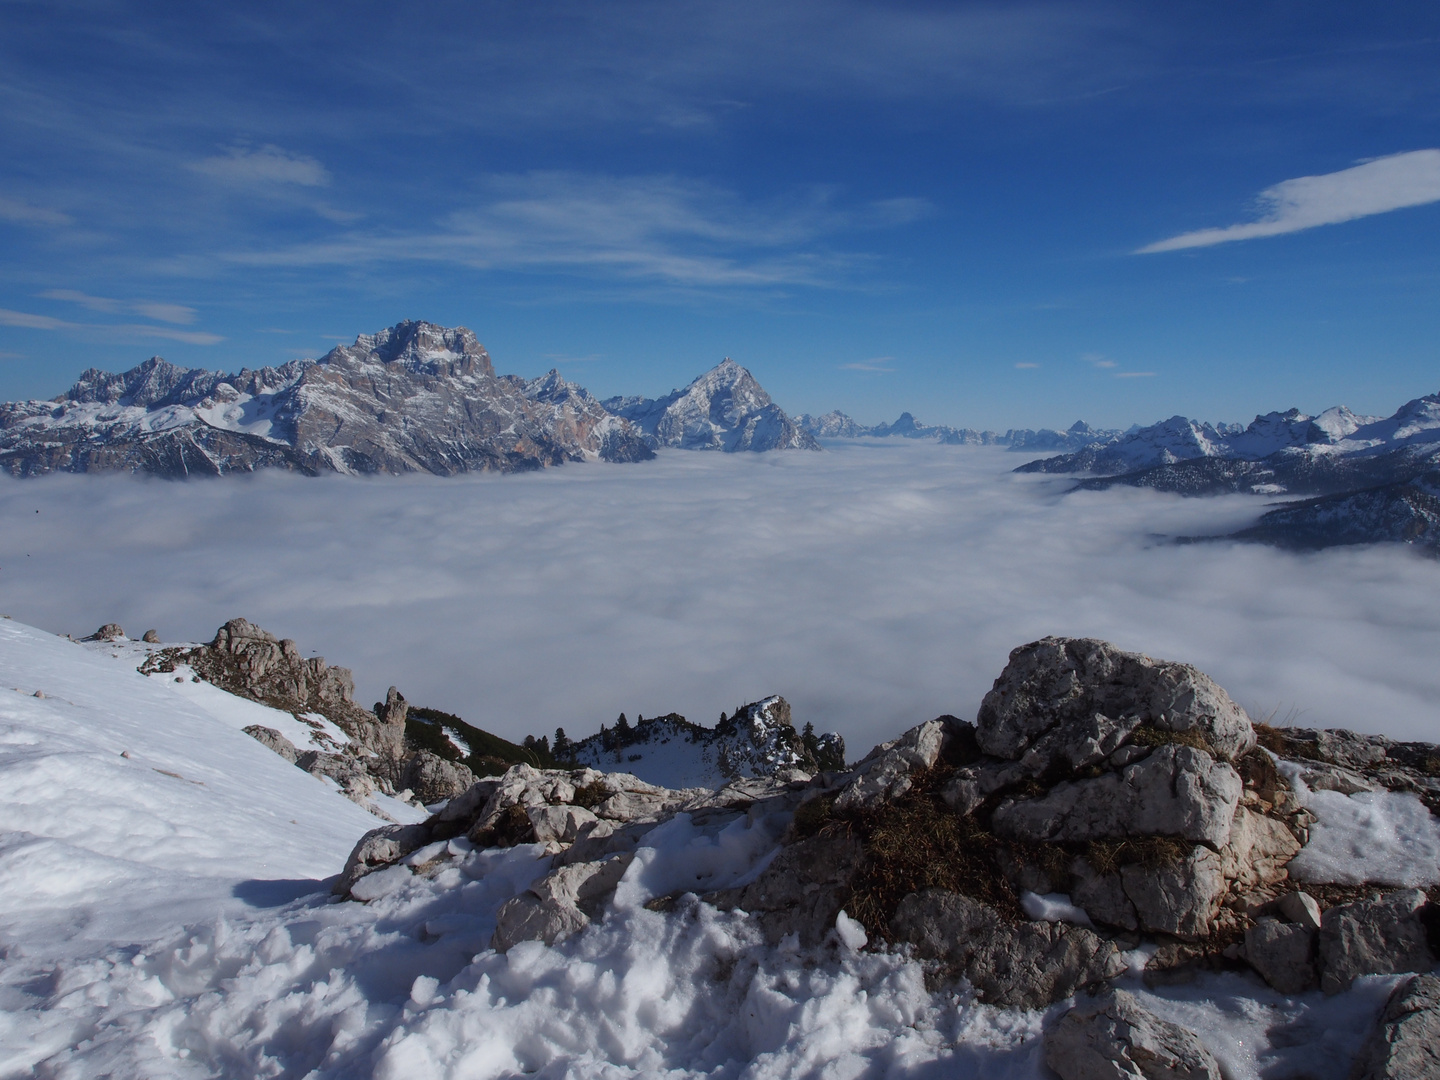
1059,682
724,409
1373,937
1406,1042
1114,1038
273,740
1130,785
1024,966
431,778
412,398
837,425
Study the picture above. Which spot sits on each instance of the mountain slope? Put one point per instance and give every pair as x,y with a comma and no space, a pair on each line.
724,409
837,425
411,398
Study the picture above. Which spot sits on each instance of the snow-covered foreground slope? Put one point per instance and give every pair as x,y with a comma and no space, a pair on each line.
161,918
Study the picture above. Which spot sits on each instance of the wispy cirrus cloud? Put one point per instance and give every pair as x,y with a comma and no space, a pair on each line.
1372,187
21,212
125,331
264,166
665,229
150,309
875,363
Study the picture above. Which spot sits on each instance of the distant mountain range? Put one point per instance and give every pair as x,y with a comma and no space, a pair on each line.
837,425
412,398
1371,478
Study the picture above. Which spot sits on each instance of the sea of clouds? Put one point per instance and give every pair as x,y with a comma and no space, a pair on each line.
875,585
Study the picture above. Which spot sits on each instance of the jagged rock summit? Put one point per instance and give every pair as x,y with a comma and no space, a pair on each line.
724,409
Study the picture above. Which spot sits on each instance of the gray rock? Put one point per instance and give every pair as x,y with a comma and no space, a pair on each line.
1114,1038
1176,791
150,637
884,773
1300,908
801,891
1283,954
393,710
1065,681
1405,1044
1373,937
1181,899
379,848
1025,966
431,778
560,823
1102,896
272,739
529,918
466,806
109,632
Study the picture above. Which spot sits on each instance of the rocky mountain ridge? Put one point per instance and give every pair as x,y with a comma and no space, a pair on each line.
724,409
1371,479
414,397
1104,811
837,425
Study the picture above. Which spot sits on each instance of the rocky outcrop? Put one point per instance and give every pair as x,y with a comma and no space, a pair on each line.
1103,800
272,740
432,779
1022,965
1405,1044
724,409
1114,1038
412,398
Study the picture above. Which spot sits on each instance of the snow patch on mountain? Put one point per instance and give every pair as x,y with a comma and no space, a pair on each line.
724,409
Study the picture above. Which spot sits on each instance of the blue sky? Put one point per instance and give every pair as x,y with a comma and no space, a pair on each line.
941,207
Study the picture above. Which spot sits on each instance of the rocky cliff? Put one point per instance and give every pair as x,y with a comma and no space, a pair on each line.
411,398
724,409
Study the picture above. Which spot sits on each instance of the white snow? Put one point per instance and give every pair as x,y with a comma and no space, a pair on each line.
1053,907
158,925
1386,837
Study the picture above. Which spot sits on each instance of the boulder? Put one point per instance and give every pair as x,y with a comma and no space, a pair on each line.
1300,908
884,773
1174,791
150,637
559,904
1283,954
431,778
559,823
1114,1038
1024,965
802,890
109,632
272,739
1384,936
1068,681
379,848
1405,1044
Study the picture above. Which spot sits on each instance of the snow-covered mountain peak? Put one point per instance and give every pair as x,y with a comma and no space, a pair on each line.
420,347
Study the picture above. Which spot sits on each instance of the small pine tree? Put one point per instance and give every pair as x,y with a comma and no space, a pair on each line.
561,744
622,726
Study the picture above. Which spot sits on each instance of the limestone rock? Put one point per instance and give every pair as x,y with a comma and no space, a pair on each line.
1300,908
529,918
1026,966
379,848
802,890
1066,681
272,739
1114,1038
150,637
1373,937
431,778
884,773
1175,791
392,711
561,823
109,632
1181,898
1283,954
1405,1044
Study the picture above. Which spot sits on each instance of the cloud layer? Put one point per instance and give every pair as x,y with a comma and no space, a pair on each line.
1374,187
874,586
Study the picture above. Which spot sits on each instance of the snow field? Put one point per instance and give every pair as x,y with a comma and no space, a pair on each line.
157,925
